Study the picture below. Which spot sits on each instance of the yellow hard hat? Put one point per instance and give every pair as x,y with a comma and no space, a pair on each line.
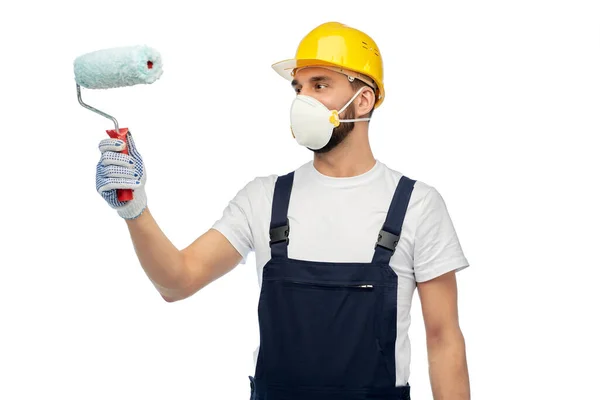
341,48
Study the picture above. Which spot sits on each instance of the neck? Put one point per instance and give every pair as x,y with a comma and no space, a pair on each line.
350,158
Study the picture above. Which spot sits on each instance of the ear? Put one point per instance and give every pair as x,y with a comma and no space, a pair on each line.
365,102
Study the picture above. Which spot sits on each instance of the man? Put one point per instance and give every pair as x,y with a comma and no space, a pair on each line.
341,243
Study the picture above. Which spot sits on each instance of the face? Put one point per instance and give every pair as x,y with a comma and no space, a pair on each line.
333,89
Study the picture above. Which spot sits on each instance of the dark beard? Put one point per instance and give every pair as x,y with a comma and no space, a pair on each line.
339,133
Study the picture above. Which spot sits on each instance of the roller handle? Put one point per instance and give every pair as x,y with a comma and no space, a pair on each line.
122,194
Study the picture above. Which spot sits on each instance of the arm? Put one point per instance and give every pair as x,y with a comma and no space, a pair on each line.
175,274
179,274
445,343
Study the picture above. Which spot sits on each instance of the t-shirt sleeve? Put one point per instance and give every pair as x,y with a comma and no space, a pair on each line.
437,249
236,222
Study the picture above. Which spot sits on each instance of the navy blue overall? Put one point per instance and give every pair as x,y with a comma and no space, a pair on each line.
328,330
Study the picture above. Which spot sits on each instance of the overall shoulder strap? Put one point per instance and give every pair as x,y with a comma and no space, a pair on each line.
279,228
389,235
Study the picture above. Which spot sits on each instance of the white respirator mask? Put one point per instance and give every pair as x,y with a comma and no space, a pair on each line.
312,122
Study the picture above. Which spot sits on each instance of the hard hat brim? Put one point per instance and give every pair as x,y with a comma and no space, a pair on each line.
286,68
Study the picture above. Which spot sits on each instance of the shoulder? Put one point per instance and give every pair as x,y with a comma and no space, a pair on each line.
261,187
421,192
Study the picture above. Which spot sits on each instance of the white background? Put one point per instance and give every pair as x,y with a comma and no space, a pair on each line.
496,104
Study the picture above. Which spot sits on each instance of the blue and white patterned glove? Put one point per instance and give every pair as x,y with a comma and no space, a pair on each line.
121,171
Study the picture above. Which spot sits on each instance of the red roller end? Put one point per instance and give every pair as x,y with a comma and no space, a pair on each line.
150,64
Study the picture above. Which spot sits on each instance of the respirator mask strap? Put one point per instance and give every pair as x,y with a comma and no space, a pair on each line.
346,106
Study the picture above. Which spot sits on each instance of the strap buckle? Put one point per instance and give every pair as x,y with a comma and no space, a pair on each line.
280,233
387,240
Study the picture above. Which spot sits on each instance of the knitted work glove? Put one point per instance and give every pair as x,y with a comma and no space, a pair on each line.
121,171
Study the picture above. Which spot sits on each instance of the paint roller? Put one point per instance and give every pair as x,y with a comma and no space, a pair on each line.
113,68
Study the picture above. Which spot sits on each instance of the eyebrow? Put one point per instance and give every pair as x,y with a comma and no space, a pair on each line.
313,80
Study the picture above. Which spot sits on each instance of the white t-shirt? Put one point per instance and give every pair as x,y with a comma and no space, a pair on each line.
338,220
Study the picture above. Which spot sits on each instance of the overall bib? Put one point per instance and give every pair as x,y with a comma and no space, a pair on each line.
327,329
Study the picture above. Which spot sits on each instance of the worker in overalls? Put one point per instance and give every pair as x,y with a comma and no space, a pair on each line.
341,243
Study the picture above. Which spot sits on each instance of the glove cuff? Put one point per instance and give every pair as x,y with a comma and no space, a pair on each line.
134,208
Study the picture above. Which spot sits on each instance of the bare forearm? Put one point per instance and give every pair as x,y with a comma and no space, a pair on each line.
448,370
160,259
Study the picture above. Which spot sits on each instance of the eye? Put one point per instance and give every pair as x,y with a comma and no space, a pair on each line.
320,86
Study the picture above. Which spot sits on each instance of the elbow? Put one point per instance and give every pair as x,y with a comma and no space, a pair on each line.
444,334
171,295
168,298
180,288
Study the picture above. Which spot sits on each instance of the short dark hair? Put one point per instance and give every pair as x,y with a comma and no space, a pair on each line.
356,85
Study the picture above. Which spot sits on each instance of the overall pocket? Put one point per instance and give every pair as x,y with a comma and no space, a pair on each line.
331,285
321,333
